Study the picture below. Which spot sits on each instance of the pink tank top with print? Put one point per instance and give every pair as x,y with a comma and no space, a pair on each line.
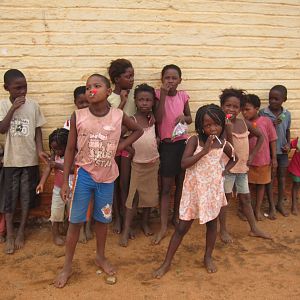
241,148
97,142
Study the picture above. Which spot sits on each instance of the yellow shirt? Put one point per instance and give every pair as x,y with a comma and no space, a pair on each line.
129,108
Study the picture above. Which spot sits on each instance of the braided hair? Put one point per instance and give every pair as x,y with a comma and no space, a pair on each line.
60,137
231,92
213,111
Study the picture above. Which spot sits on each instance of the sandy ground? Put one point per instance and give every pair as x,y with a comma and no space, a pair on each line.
250,268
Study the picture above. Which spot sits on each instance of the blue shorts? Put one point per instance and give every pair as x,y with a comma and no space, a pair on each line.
240,180
84,188
282,160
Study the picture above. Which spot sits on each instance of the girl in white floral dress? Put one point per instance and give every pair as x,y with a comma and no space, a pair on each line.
203,191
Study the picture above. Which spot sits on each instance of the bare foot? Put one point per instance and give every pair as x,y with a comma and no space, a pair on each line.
281,209
241,215
123,241
2,239
258,216
258,233
88,232
131,234
146,229
58,240
272,214
295,210
82,237
62,278
163,269
117,227
209,265
226,237
10,245
20,240
105,265
159,237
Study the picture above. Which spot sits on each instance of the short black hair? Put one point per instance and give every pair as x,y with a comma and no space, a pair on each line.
103,78
79,91
11,75
60,136
253,100
280,88
213,111
231,92
144,87
168,67
117,68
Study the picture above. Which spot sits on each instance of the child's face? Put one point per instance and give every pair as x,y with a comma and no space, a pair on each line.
275,100
17,88
81,101
125,81
96,90
172,78
58,150
210,127
250,112
144,101
232,105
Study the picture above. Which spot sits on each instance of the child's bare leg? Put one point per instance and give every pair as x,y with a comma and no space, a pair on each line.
20,238
225,236
240,213
145,221
295,189
2,228
88,229
71,242
178,192
125,235
82,236
10,237
272,209
117,219
57,238
166,185
248,211
281,185
260,191
180,230
211,236
101,261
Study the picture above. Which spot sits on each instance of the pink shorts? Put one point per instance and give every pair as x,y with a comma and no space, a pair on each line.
123,153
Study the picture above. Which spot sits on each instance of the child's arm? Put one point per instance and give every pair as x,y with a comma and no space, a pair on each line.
186,117
46,173
260,138
188,157
274,156
233,159
5,123
124,98
69,157
39,145
286,148
160,109
136,132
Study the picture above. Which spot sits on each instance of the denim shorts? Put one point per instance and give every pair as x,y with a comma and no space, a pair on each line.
282,160
240,180
84,188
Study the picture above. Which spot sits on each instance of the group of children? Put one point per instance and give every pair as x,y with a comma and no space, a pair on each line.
110,154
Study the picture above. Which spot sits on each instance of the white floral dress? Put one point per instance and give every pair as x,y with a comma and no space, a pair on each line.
203,188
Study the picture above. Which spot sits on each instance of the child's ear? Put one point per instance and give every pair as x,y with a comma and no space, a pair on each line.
180,80
109,91
5,87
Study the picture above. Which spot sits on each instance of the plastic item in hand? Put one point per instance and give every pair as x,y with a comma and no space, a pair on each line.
281,117
179,129
228,116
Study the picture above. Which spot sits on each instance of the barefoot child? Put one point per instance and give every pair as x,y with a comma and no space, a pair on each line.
2,203
203,188
238,131
121,74
294,169
21,121
281,119
57,144
143,190
173,107
260,170
95,133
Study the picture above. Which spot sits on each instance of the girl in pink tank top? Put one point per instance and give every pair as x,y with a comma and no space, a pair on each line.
237,132
95,132
143,190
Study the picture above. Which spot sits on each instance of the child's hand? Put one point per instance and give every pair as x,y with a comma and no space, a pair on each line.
250,159
39,189
45,157
165,87
277,122
286,148
151,118
18,102
208,143
181,119
274,165
131,151
65,192
120,145
124,96
52,163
